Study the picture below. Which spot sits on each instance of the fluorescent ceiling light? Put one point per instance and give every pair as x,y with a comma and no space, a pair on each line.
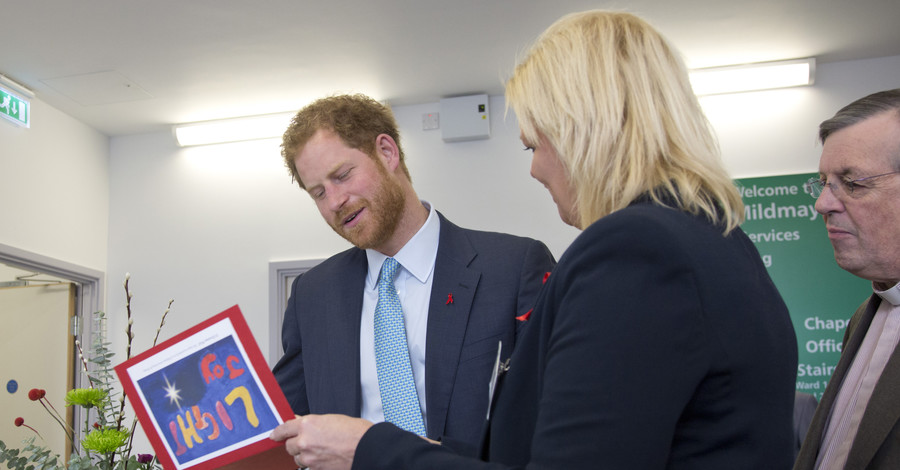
749,77
265,126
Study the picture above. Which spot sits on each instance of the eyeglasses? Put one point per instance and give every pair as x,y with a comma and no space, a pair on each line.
815,186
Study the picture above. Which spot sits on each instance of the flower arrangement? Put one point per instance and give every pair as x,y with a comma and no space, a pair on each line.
107,442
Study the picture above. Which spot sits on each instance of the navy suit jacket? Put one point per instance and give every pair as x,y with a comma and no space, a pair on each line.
657,343
877,443
493,278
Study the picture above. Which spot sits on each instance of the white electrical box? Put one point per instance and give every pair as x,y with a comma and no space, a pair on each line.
465,118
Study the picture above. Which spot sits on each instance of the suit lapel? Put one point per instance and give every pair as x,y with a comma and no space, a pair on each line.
344,313
447,320
882,413
811,445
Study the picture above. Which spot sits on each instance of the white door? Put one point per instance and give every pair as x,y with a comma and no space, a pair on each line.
37,348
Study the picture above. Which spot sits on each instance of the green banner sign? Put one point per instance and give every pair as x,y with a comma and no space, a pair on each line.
15,108
791,238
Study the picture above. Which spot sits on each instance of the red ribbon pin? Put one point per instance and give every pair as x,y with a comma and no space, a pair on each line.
525,316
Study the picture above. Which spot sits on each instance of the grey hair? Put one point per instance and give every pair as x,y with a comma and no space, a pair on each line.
860,110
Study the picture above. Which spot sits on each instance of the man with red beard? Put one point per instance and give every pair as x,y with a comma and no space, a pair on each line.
462,293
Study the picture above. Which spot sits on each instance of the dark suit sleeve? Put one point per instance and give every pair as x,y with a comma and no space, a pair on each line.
289,369
408,450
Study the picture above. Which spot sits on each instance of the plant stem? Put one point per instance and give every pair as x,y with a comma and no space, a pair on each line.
162,321
128,331
70,433
84,364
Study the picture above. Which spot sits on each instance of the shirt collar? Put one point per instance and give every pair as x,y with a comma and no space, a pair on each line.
417,256
892,295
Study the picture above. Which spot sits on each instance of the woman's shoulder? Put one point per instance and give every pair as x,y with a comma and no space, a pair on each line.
647,227
645,219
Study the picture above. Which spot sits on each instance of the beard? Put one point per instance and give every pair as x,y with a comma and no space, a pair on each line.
386,210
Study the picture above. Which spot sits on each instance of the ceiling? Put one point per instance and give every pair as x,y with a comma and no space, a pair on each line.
137,66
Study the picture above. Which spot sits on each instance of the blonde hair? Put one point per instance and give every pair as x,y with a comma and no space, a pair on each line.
613,99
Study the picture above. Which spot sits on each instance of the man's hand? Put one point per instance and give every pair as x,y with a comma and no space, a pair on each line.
322,442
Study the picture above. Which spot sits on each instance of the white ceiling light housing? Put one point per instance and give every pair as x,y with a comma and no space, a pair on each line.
750,77
221,131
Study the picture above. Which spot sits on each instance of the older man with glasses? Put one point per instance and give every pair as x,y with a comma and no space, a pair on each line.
857,423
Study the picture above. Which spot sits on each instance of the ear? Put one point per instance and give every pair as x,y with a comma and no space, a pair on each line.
387,151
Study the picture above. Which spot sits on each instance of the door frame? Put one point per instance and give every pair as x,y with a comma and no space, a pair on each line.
89,285
281,274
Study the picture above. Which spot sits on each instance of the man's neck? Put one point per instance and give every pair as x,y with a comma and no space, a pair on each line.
414,216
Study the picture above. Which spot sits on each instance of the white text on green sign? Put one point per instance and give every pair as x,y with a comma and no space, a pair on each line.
15,108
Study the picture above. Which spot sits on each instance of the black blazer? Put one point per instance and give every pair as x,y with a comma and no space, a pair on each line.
493,277
656,343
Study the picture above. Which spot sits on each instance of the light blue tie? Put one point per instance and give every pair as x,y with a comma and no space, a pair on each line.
395,376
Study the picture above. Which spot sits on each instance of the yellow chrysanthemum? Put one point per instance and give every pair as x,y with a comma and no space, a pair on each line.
86,397
104,441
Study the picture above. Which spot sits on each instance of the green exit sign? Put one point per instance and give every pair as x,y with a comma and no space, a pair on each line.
15,108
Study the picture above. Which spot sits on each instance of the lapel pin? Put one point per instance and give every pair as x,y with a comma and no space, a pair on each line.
449,299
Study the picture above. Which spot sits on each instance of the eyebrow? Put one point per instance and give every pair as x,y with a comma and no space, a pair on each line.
843,172
330,175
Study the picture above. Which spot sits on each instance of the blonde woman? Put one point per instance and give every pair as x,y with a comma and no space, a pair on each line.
659,341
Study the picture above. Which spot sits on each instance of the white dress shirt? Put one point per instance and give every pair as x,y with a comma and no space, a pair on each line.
413,284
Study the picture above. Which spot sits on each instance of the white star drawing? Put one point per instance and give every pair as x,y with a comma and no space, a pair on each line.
172,393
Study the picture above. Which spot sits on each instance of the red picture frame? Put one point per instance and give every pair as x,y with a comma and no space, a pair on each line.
206,398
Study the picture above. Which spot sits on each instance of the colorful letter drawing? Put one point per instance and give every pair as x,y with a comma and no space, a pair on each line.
207,401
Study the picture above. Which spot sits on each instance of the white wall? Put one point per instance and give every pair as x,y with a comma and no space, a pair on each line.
201,224
54,194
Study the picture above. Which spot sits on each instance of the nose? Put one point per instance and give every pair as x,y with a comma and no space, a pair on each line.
828,202
336,198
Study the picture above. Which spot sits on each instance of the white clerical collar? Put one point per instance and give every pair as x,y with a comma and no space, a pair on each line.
892,295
